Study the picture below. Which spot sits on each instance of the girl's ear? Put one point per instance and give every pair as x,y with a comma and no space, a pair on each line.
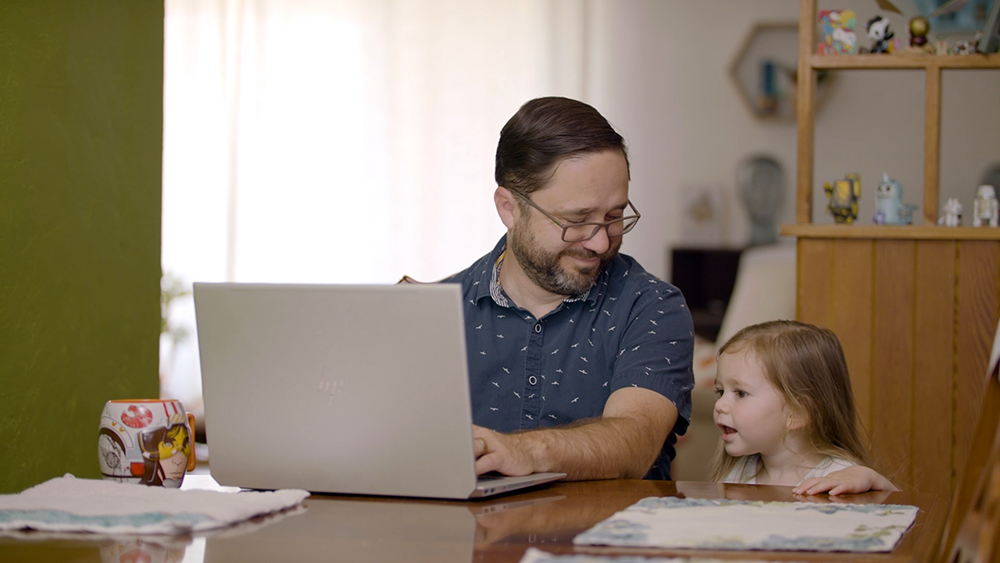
796,420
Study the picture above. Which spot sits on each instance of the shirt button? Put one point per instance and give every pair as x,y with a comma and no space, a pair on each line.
538,327
532,380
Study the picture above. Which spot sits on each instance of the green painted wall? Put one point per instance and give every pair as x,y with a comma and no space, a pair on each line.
81,125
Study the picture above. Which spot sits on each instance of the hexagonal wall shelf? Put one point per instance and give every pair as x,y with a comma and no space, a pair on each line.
764,70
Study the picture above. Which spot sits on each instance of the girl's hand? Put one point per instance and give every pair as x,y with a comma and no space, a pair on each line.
855,479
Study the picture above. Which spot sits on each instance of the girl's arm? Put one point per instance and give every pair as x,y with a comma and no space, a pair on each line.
855,479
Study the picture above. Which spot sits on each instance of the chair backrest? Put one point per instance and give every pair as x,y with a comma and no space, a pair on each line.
972,533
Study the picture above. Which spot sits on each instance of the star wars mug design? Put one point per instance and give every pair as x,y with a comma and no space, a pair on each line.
146,442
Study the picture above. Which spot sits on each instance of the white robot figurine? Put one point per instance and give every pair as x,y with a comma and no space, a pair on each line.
952,213
984,209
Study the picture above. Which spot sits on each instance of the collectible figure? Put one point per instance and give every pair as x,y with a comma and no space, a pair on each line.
952,213
880,34
843,196
969,46
919,44
919,28
889,206
838,36
984,210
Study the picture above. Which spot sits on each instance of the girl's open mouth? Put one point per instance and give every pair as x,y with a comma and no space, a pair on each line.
727,431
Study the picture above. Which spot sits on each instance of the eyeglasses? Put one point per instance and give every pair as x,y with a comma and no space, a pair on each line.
579,232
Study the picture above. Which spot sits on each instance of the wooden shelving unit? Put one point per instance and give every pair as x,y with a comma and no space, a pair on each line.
915,307
904,61
932,65
890,232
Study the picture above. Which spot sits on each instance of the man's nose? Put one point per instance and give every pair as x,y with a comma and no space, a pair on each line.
600,242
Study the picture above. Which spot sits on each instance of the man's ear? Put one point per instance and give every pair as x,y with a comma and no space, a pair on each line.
507,208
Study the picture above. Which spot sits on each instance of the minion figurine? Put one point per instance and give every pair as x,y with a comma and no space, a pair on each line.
843,198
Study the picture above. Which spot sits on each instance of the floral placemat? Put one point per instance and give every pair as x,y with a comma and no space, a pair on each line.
670,522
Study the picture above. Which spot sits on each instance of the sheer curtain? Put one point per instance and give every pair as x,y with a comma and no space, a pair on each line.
341,141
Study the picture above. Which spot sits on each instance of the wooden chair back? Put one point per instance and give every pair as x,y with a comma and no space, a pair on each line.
972,533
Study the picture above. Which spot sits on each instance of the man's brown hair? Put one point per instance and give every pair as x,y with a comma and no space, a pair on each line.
545,131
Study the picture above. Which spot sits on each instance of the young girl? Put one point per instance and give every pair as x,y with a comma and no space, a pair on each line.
786,412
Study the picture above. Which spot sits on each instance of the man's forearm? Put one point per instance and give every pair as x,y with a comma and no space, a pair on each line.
600,448
623,443
603,448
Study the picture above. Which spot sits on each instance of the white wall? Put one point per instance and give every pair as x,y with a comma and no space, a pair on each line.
660,75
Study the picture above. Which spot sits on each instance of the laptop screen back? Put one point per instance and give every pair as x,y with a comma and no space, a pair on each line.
336,388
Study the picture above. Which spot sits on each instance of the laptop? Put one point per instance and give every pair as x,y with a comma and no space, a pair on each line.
347,389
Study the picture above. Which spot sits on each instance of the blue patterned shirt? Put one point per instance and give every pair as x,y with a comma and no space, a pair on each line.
629,330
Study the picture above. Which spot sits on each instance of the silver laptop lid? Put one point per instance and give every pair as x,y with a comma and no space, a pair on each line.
328,388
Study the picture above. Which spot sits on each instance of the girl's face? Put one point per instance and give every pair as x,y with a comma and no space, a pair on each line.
751,412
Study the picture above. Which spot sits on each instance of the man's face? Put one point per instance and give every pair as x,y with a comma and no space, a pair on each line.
588,188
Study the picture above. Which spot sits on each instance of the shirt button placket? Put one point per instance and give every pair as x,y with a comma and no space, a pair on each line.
532,402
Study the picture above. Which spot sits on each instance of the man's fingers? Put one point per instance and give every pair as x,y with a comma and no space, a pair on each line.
487,463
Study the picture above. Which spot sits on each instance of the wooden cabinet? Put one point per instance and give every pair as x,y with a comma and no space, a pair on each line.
706,277
915,307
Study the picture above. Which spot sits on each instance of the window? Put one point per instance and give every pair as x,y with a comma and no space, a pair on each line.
340,141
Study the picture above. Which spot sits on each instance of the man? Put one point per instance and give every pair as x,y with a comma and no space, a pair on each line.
580,360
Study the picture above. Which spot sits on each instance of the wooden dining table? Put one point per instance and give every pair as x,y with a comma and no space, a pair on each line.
363,529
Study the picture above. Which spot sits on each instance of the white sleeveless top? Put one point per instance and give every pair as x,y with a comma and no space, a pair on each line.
745,471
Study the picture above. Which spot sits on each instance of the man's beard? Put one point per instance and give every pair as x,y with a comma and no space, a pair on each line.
543,267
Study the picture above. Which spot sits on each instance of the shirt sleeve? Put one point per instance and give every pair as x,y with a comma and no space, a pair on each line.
657,346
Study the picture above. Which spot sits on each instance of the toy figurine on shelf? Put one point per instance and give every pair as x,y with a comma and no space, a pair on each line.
838,32
919,28
889,206
952,213
984,210
843,196
880,34
969,46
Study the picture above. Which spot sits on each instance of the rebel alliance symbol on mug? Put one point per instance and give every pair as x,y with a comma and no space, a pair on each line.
137,416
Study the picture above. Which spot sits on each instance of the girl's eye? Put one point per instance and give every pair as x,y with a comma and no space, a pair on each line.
740,394
718,392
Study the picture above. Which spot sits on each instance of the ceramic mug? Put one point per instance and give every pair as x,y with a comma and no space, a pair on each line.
146,442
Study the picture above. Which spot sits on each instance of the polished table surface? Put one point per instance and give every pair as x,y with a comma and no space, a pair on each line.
354,528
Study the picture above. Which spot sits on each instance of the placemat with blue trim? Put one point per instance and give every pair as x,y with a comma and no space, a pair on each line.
669,522
68,504
535,555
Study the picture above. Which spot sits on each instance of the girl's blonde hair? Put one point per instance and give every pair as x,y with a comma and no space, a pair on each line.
807,365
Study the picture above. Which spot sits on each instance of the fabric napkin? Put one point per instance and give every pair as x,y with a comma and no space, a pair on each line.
535,555
68,504
670,522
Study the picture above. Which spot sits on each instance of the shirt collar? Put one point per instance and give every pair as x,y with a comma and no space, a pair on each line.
490,282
